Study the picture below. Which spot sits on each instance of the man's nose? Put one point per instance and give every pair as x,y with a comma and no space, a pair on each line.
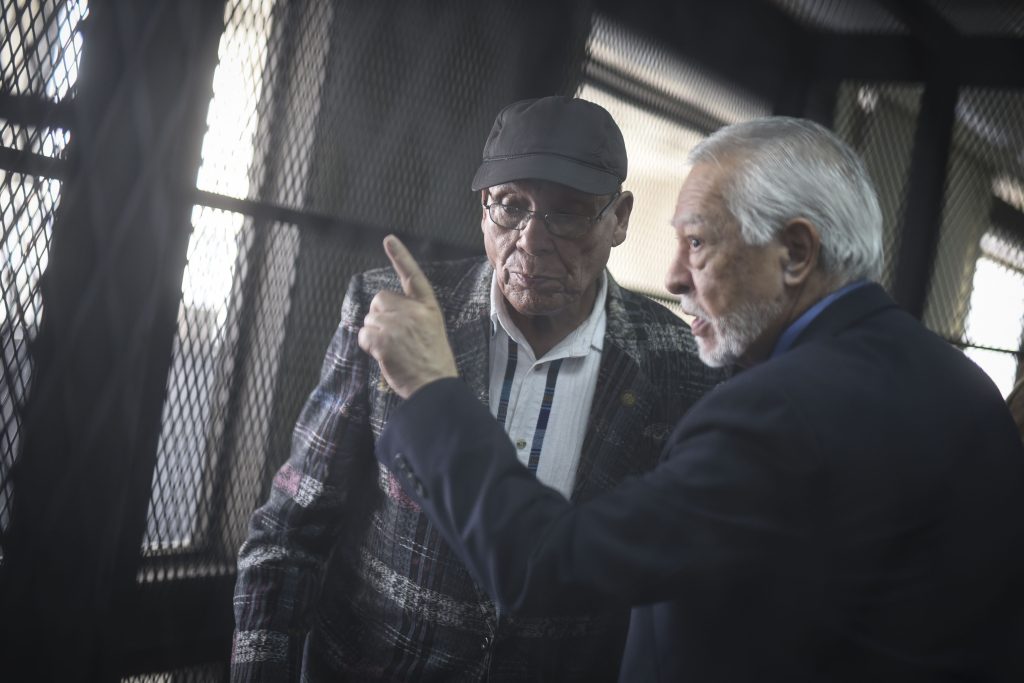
533,234
677,279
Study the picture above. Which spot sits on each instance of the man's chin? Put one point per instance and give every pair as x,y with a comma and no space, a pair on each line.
537,306
711,354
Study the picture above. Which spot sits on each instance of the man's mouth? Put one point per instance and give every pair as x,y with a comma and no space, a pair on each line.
700,327
528,278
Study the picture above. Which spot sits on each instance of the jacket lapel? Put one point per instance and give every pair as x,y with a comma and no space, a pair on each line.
469,329
622,407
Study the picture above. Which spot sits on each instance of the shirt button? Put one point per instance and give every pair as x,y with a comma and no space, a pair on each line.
520,444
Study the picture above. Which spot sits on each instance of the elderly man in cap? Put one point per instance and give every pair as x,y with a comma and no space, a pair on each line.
342,576
850,507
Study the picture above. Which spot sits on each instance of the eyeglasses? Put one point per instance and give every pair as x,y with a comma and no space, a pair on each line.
565,225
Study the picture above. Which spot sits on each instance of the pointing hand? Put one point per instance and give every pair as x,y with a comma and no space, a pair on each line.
405,332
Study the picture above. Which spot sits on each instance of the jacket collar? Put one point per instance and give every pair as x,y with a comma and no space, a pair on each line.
846,311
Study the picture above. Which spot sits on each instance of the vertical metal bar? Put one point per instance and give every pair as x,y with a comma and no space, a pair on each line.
110,299
925,190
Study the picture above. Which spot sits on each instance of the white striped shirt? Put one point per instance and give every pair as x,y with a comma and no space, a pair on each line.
571,368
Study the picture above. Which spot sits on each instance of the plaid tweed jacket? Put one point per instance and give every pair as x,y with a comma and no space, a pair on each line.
343,578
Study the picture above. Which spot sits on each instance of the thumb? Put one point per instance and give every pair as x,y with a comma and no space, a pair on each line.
414,283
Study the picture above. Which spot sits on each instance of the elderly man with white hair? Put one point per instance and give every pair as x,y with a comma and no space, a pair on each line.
849,507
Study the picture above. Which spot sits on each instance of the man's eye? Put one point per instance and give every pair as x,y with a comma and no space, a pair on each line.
510,210
694,242
563,219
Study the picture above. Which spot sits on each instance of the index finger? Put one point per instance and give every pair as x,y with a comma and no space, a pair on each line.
414,282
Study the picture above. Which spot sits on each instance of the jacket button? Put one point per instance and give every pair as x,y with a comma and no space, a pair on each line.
485,643
399,462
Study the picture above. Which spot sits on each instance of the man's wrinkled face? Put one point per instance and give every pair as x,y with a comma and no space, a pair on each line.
540,274
734,290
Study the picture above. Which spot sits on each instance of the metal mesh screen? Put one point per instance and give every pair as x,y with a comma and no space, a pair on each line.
26,209
848,16
39,56
199,385
982,18
191,470
331,124
664,107
976,297
878,120
404,118
44,141
41,46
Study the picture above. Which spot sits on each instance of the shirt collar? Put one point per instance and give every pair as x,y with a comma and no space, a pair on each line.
589,335
791,333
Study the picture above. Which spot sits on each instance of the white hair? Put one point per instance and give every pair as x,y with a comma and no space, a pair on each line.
790,168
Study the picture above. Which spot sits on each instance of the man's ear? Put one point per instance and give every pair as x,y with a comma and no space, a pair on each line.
801,251
623,209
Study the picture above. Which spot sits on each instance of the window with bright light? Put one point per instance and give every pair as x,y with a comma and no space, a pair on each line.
995,321
664,107
201,366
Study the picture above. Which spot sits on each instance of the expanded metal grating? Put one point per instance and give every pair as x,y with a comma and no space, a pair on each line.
664,107
26,210
976,296
44,141
310,116
39,57
845,16
991,17
41,46
878,120
403,117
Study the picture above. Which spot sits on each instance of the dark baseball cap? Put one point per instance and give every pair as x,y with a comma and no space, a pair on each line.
562,139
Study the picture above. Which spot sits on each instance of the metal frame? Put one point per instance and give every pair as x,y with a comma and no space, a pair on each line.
115,263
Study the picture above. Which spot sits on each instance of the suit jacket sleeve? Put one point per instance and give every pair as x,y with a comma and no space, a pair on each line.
727,503
281,564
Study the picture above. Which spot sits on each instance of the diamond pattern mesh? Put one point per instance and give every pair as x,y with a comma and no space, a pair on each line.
48,142
406,117
238,84
41,46
664,107
983,18
199,383
39,56
26,210
878,120
310,115
976,297
847,16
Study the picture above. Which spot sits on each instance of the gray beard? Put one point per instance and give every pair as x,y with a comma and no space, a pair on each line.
734,332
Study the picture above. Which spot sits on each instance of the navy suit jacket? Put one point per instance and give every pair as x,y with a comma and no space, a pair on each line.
852,510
